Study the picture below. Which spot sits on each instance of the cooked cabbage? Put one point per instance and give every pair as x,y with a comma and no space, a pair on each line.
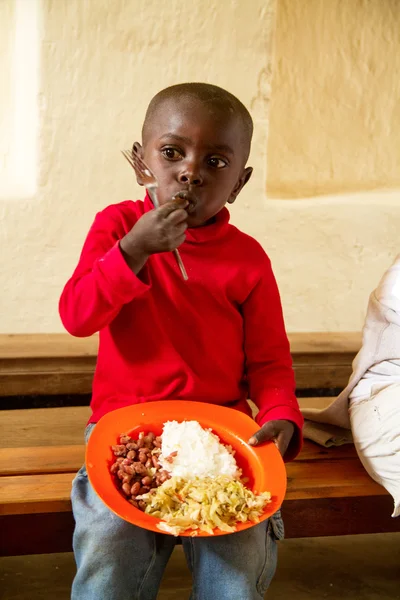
204,504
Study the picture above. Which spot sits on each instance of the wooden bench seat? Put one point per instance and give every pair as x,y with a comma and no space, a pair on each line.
48,364
41,449
329,492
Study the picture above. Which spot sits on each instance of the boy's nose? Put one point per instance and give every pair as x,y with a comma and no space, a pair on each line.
190,176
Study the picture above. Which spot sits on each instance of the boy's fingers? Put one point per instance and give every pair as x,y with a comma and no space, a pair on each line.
169,207
280,434
180,241
282,441
177,216
180,229
260,437
266,433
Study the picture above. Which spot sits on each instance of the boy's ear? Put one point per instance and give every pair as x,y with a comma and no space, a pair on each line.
240,184
137,149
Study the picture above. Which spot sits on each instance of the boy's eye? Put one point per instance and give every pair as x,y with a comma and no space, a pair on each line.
171,153
217,163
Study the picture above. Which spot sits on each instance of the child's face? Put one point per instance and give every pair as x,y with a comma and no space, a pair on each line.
199,152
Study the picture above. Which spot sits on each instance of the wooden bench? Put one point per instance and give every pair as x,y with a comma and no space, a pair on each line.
329,492
47,364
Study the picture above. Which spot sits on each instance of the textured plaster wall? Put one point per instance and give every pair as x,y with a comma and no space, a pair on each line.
332,220
335,120
6,38
101,62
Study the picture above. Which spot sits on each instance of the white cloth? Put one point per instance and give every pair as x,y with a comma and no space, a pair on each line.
370,403
381,344
376,379
375,423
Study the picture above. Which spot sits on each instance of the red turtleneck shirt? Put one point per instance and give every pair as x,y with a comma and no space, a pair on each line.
217,338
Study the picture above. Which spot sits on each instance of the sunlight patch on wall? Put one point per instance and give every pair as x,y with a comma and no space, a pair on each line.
19,104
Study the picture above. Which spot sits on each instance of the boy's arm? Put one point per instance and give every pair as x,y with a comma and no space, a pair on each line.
269,366
107,275
102,282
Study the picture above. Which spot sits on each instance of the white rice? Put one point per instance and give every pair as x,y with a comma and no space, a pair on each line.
199,452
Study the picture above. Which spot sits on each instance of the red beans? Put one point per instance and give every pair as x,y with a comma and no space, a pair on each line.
124,439
136,469
119,450
126,488
135,489
140,469
142,457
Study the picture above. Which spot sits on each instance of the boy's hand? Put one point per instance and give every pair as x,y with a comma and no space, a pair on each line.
280,432
160,230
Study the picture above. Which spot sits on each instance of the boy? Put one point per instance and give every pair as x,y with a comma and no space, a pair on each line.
217,338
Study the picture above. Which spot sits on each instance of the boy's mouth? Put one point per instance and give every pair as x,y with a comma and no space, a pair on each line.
190,198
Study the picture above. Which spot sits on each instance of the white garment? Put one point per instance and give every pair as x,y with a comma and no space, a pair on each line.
381,344
376,379
370,404
375,423
387,372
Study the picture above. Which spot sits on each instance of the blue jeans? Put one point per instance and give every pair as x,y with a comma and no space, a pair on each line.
119,561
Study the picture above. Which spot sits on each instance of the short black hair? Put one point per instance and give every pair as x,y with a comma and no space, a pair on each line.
207,94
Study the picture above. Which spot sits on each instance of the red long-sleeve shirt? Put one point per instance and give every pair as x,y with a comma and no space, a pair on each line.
217,338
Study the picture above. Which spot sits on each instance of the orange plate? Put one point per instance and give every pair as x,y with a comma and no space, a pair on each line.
262,465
